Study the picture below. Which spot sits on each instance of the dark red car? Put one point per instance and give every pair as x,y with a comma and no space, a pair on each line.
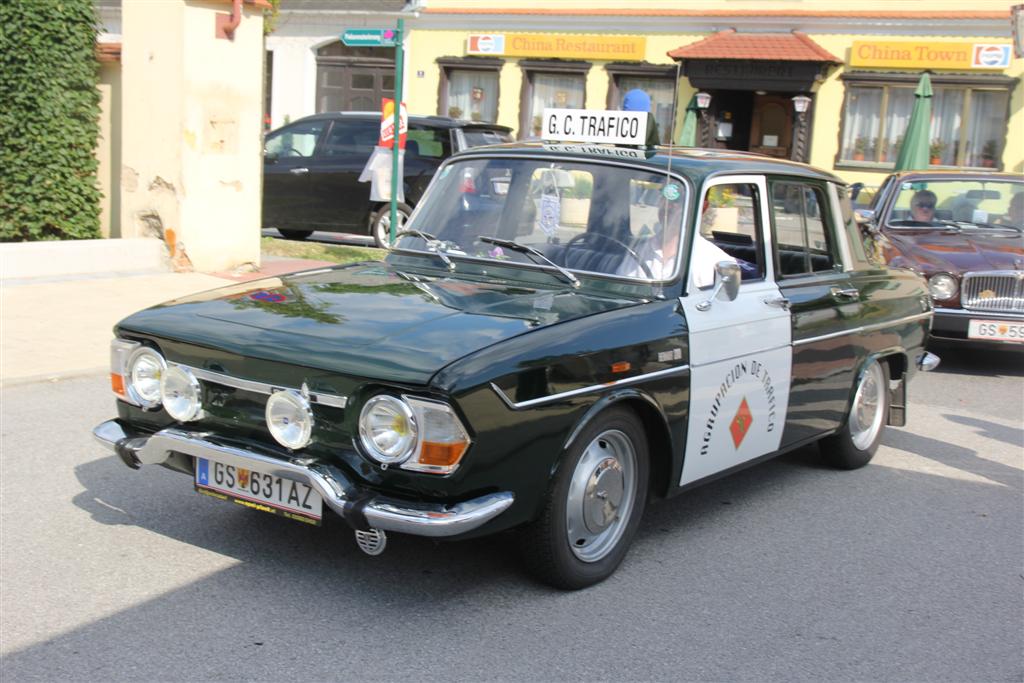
965,233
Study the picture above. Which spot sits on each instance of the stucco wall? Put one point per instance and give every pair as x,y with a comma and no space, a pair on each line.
108,149
191,135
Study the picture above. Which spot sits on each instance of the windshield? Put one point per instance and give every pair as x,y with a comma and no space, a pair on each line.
580,216
961,202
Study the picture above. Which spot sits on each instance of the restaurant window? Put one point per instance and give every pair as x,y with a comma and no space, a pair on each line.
654,79
549,84
469,88
968,123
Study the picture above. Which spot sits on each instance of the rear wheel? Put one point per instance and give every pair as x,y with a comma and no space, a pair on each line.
380,223
594,505
855,444
295,234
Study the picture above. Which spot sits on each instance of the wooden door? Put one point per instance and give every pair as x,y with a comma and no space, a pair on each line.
771,127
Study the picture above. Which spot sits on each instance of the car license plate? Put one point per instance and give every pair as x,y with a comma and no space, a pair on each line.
996,330
259,490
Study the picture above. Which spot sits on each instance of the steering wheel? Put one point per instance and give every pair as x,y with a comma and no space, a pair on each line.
586,237
291,152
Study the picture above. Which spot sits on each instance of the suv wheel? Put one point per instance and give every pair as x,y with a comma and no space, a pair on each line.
380,223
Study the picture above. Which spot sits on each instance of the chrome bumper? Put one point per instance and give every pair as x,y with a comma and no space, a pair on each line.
358,508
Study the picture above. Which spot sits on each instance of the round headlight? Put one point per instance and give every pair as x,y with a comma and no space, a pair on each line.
942,286
387,429
145,369
181,394
290,419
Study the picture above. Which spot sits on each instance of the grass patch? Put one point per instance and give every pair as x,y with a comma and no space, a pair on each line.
336,253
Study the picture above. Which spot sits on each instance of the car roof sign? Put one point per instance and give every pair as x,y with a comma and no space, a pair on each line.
595,125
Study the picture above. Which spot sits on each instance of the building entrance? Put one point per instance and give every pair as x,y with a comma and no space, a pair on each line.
752,121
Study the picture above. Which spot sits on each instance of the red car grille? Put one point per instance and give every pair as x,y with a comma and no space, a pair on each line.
994,291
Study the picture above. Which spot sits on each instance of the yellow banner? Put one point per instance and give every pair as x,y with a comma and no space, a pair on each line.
929,55
566,46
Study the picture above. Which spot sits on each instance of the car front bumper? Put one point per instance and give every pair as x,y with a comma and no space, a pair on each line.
362,509
950,324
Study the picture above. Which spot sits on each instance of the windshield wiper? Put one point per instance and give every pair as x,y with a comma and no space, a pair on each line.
524,249
434,245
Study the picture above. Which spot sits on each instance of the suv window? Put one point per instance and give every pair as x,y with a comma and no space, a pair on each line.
298,140
474,137
802,243
424,141
351,138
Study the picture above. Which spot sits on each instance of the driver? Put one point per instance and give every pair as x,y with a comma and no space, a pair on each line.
922,206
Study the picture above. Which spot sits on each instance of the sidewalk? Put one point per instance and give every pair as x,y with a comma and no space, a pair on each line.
62,326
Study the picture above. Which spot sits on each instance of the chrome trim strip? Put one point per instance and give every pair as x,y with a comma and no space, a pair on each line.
981,315
420,519
533,402
864,328
331,400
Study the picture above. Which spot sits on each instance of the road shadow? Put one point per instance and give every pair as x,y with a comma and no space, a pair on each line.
961,359
1013,436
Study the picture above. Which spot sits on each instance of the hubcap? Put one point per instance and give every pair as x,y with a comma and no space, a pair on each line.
601,495
866,413
384,225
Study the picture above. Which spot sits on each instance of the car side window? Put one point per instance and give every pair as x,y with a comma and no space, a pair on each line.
730,229
351,138
298,140
802,243
427,142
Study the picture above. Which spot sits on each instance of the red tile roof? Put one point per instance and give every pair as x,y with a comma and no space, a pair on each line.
792,47
858,14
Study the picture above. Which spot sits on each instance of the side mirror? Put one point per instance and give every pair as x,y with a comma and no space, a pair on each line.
727,284
270,157
866,219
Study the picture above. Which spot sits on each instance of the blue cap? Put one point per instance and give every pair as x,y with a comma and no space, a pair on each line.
636,100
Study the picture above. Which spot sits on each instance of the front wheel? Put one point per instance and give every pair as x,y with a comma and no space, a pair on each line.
594,505
855,444
380,223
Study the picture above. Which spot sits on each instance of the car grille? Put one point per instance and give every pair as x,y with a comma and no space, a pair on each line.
994,291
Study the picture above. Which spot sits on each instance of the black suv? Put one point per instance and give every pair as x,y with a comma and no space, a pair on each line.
311,170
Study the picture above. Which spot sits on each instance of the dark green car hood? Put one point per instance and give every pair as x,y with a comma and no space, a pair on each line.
365,320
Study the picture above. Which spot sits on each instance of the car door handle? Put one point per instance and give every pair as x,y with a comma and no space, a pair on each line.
299,171
848,293
779,302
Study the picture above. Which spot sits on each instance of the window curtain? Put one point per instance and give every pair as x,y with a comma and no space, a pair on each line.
947,112
561,91
661,92
863,119
473,95
985,128
901,103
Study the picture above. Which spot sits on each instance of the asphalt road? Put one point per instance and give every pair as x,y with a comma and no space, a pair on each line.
909,569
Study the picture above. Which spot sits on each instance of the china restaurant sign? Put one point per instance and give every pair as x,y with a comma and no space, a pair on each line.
576,46
930,55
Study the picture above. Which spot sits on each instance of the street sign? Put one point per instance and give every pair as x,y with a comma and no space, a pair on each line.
369,37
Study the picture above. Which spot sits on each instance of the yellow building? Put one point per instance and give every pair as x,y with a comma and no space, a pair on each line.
859,69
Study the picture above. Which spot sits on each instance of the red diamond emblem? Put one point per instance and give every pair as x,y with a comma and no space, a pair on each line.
741,423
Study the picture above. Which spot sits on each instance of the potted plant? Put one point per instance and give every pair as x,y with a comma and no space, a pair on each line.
893,151
862,147
935,151
455,112
989,152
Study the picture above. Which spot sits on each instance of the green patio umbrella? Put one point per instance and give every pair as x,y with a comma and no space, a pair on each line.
688,135
914,151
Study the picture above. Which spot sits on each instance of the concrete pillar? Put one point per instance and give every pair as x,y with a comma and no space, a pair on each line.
191,149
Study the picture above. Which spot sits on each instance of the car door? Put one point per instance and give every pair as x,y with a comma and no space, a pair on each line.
740,354
811,258
287,155
341,201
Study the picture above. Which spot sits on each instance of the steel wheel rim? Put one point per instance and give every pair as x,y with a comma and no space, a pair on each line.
384,225
866,412
601,496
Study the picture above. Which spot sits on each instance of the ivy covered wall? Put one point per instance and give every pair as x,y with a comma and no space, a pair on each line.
49,109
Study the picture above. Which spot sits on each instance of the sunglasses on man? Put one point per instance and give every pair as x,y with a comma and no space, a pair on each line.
924,206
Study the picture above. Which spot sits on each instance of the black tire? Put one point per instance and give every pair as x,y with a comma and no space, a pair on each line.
549,552
295,234
855,444
380,223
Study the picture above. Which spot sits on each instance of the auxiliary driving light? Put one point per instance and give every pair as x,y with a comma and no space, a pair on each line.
181,393
290,419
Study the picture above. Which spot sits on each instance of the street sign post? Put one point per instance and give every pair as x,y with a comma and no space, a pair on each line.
370,37
385,37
